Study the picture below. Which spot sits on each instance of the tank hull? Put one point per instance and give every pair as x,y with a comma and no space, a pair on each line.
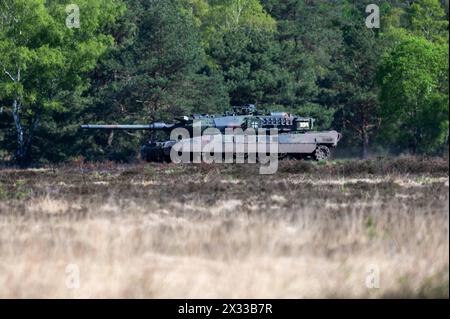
293,145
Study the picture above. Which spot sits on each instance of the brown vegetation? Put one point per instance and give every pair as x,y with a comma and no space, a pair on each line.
150,230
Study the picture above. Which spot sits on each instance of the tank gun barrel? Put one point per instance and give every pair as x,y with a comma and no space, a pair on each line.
132,127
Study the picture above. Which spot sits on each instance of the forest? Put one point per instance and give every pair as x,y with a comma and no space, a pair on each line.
68,62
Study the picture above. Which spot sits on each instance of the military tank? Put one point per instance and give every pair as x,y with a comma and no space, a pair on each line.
296,137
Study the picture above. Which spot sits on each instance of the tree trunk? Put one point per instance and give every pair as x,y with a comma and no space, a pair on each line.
364,144
22,144
21,150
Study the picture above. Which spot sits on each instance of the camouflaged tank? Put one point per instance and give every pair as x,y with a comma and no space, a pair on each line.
295,135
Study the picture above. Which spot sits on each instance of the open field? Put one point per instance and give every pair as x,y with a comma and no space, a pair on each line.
151,231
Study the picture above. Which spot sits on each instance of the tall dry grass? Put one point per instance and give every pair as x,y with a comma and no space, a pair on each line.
168,233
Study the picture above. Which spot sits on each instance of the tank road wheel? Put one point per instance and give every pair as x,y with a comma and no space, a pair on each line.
322,153
153,156
243,156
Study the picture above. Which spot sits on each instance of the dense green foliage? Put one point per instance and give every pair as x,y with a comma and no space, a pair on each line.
415,94
135,61
44,67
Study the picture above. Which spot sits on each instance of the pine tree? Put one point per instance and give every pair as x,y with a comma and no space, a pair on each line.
309,37
248,59
158,71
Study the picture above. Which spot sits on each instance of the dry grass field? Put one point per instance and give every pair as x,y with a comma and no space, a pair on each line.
370,229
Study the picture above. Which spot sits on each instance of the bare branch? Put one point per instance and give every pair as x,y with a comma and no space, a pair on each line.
9,74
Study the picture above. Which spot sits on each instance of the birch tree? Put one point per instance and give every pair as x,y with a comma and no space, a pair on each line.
41,56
